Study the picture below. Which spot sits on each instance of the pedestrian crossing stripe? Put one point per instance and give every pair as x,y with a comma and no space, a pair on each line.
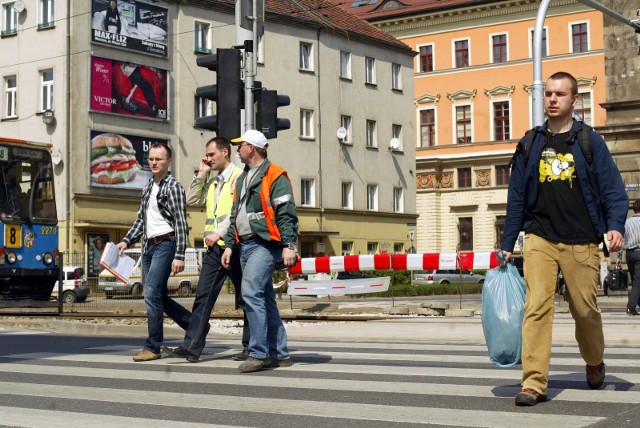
294,407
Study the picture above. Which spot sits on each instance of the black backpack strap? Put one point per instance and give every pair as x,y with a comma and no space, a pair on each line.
524,145
585,144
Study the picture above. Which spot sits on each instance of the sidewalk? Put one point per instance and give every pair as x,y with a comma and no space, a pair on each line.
621,330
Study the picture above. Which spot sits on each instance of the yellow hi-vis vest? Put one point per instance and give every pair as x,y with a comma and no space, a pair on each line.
218,212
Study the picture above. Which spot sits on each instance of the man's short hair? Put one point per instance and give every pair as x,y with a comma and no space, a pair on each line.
164,146
564,75
221,144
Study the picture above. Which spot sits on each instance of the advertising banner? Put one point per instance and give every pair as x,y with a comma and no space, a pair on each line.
132,25
127,88
119,161
95,245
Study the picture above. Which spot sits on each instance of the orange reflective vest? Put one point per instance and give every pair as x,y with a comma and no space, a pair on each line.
270,176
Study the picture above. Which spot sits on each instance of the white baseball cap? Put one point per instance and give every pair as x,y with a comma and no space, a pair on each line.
253,137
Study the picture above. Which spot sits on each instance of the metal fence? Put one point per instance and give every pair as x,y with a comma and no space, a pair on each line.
86,292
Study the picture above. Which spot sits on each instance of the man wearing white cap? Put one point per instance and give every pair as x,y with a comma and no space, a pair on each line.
264,228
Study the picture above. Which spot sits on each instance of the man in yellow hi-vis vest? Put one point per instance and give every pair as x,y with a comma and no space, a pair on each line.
217,192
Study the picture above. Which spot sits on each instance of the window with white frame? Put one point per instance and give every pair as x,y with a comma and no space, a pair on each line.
501,121
345,122
307,192
461,53
463,124
398,200
545,45
465,233
306,56
428,127
499,48
583,107
372,247
372,197
9,19
370,70
396,77
10,96
347,248
47,16
396,132
46,90
398,248
425,59
345,65
579,37
347,195
306,123
202,107
372,133
503,173
202,41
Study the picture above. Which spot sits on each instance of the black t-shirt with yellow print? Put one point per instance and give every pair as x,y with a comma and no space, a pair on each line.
560,213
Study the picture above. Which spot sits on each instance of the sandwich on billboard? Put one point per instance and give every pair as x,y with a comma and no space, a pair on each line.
119,161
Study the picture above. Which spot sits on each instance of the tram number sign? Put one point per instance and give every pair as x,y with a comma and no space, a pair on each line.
4,153
13,236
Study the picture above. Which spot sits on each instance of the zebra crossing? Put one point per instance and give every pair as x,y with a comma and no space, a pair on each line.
372,384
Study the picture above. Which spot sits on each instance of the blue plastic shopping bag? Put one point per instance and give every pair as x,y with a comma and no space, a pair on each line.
503,295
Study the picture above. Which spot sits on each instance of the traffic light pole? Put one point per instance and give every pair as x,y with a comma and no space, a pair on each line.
249,79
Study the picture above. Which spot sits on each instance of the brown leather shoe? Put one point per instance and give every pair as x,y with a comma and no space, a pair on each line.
529,397
146,355
595,375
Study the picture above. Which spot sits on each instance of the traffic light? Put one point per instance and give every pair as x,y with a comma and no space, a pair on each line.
226,93
267,120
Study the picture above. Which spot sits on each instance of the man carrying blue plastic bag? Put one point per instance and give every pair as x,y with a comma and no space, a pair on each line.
565,199
503,296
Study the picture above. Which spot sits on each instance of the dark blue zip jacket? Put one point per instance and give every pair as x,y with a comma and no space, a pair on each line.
606,199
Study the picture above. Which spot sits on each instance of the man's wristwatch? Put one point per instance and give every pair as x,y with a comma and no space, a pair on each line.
291,246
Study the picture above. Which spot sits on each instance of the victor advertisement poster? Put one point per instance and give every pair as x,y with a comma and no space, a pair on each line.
128,88
119,161
132,25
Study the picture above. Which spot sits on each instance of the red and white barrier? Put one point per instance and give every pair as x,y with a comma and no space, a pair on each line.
342,264
423,261
444,261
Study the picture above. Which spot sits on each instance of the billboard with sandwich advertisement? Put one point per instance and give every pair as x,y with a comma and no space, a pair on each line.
127,88
119,161
129,24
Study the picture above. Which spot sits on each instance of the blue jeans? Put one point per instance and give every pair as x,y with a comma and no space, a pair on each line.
156,268
212,278
633,264
268,335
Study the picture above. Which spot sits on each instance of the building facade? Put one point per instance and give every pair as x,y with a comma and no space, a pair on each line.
114,83
473,79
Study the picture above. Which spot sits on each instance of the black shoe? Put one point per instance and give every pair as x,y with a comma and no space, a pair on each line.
595,375
275,363
254,365
180,352
529,397
632,312
241,356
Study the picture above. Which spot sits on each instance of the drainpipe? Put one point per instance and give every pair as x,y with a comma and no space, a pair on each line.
68,130
320,186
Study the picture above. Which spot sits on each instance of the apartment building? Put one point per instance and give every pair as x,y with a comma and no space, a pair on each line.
473,82
75,77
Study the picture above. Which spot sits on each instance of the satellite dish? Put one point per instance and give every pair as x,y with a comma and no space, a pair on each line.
18,6
56,158
342,132
394,144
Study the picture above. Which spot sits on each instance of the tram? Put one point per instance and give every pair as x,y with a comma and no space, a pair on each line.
29,222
